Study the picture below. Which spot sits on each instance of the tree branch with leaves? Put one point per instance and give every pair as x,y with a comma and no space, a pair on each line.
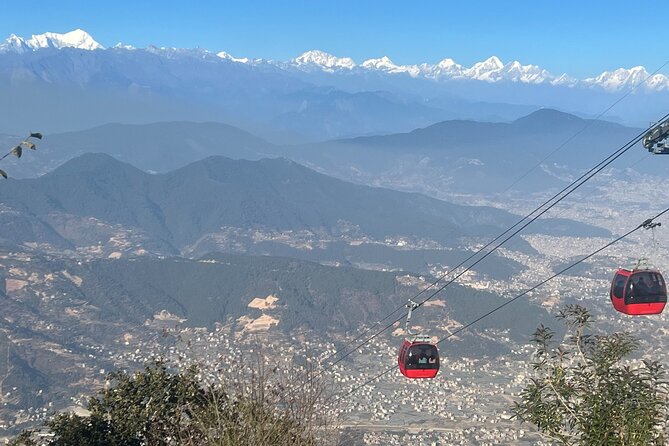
585,391
17,150
160,407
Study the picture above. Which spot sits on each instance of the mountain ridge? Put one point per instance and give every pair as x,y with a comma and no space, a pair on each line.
78,39
542,151
543,119
489,70
180,207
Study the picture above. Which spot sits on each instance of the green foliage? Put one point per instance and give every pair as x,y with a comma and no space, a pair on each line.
96,430
153,406
584,393
156,407
23,439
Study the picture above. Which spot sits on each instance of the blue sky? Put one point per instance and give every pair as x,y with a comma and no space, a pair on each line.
581,38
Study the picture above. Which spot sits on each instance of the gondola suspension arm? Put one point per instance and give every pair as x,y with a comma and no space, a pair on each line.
411,305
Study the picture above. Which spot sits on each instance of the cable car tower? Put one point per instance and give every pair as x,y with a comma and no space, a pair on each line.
655,140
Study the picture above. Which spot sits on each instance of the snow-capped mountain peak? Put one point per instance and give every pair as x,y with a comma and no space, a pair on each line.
629,78
448,64
386,65
491,63
78,38
123,46
13,39
564,79
489,70
14,43
484,70
324,60
74,39
382,63
230,57
529,74
494,70
446,68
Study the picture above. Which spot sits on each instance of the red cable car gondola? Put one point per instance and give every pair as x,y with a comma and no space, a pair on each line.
638,291
418,356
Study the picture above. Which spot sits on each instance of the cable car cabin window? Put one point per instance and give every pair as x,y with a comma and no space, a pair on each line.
619,285
645,287
403,351
424,356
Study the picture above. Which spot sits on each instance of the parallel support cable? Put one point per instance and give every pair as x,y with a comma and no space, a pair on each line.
510,301
528,219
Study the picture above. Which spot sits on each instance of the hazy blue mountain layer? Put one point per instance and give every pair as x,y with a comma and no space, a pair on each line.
180,207
71,89
543,150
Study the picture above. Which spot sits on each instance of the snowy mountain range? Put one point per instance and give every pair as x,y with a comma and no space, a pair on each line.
78,38
490,70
